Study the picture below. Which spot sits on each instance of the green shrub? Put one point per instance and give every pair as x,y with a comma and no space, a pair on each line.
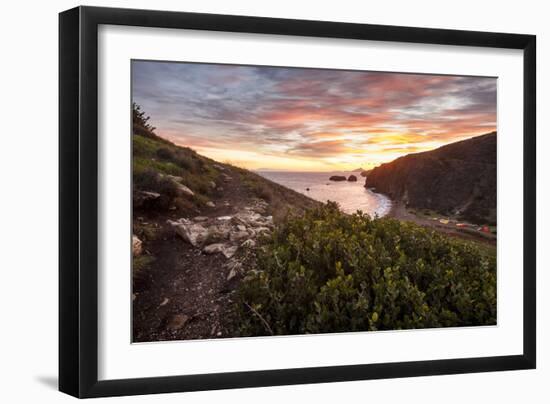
165,153
331,272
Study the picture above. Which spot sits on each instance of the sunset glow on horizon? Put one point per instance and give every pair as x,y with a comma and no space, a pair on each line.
309,119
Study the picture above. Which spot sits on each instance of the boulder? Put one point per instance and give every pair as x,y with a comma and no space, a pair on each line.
212,184
238,235
137,246
184,190
144,198
194,233
248,243
337,178
352,178
231,274
173,177
213,248
227,250
227,178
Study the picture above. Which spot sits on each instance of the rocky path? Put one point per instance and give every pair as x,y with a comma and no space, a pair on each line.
189,289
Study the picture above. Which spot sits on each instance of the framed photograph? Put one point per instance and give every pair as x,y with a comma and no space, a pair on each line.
251,201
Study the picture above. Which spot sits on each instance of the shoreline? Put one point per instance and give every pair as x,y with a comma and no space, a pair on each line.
400,212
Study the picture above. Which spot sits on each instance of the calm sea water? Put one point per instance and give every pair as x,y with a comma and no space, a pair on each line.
351,196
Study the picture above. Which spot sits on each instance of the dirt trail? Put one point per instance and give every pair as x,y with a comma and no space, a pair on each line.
186,294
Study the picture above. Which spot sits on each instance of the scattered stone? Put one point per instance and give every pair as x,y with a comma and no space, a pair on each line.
210,204
164,302
143,198
219,167
193,233
185,190
222,218
227,178
173,177
177,322
213,248
137,246
260,230
200,218
172,208
212,184
232,274
238,235
226,250
248,243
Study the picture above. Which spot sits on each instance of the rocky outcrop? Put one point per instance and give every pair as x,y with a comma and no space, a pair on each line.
144,199
137,246
225,234
352,178
182,189
458,179
337,178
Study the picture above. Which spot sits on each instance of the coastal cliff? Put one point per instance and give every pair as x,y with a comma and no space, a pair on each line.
458,179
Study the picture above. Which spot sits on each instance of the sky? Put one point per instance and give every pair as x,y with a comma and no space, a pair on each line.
309,119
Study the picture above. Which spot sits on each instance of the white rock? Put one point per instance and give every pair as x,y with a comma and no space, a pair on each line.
185,190
231,274
227,251
193,233
213,248
210,204
238,235
248,243
137,246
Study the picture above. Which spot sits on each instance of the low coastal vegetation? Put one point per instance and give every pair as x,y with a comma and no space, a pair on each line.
220,251
332,272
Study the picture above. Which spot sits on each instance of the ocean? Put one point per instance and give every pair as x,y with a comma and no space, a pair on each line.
351,196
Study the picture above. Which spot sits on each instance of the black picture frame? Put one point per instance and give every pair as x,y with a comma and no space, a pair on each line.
78,201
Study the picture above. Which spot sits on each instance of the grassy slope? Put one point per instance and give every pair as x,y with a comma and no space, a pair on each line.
153,155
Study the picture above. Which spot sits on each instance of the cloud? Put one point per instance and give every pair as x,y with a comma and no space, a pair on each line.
297,113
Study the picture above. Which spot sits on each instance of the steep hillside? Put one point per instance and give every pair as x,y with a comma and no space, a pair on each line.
456,179
195,224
